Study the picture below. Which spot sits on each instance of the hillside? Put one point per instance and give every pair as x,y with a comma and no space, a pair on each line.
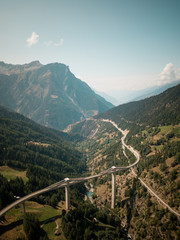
46,155
40,156
159,110
154,131
162,109
137,209
48,94
155,90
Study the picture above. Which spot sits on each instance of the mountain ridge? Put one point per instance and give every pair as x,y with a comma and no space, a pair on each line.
130,95
159,110
57,97
154,131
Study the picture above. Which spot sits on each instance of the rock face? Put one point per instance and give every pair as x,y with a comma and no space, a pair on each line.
49,94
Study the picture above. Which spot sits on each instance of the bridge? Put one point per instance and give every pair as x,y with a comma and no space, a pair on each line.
67,182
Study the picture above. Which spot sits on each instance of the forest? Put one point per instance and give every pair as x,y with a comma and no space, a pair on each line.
93,146
47,156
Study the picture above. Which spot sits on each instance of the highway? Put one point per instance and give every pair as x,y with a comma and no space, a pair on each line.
160,200
138,158
71,181
155,195
124,145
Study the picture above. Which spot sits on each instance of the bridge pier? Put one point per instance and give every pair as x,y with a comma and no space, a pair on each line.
22,205
113,200
67,197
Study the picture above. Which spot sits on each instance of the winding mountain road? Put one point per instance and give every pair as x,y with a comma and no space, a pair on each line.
124,145
136,154
155,195
71,181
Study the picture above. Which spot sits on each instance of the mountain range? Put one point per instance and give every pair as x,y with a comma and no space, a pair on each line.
153,129
162,109
48,94
47,155
159,110
125,96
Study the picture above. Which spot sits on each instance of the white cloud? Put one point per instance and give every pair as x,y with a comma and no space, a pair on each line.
167,75
48,43
33,39
51,43
60,43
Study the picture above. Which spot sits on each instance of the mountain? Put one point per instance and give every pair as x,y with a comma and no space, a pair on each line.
159,110
49,94
153,129
108,98
46,155
162,109
125,96
155,90
26,143
9,69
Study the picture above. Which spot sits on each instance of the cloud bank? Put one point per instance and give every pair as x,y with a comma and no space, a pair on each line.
58,44
33,39
168,74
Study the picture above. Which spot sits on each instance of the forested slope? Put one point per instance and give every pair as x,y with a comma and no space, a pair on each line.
154,131
47,155
162,109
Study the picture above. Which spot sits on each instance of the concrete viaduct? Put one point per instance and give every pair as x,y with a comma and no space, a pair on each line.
67,182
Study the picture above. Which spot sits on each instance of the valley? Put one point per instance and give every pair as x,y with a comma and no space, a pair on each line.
134,164
102,193
37,159
90,120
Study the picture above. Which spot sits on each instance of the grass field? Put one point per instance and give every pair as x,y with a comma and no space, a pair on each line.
11,173
166,129
177,130
12,227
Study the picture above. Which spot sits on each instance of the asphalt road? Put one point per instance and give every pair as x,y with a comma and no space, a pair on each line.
70,181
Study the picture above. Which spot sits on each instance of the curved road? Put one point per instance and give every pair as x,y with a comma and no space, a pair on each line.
70,181
138,157
155,195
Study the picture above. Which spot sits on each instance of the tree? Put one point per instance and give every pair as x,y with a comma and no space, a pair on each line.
31,226
89,235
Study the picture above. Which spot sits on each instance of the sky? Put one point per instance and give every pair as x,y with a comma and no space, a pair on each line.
109,44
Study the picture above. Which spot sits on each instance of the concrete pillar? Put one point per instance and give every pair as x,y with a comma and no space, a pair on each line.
113,200
23,207
67,199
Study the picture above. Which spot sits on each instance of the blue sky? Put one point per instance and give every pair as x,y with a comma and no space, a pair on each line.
110,44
